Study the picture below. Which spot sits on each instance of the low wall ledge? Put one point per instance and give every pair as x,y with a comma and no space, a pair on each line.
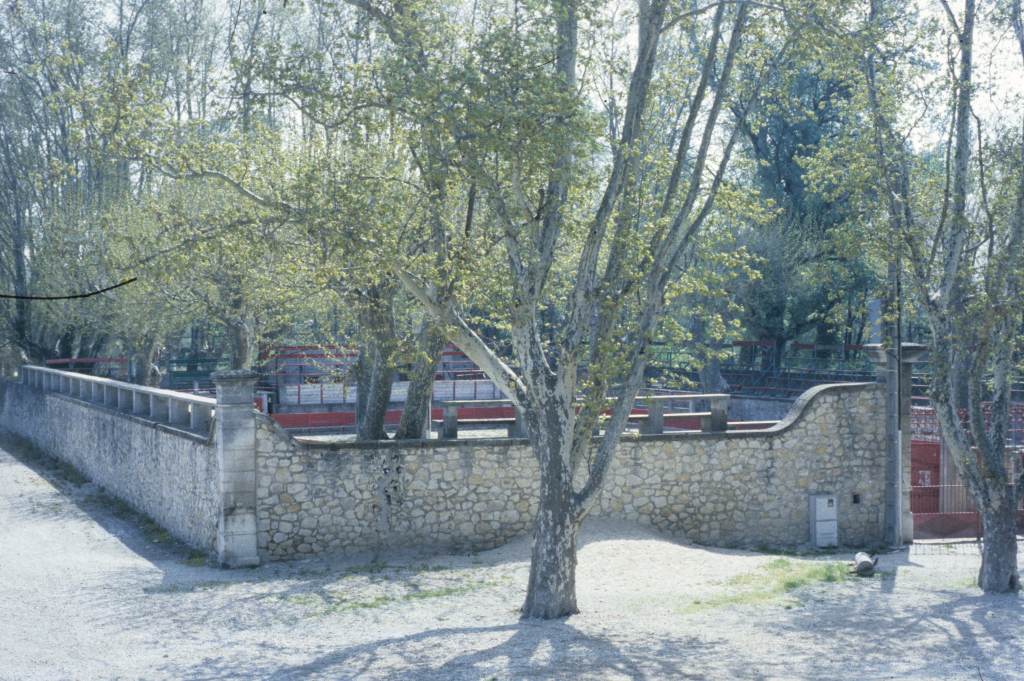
166,427
793,417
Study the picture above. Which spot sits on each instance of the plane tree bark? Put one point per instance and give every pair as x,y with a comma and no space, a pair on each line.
415,421
375,370
966,272
621,272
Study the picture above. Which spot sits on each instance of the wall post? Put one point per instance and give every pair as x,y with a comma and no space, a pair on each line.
899,521
235,435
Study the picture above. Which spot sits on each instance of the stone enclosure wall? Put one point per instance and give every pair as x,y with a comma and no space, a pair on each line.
742,488
167,474
248,490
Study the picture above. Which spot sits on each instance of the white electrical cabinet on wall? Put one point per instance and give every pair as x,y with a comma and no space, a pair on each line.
824,520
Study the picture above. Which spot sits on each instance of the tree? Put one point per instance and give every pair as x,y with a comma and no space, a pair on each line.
811,250
525,139
338,189
965,251
57,173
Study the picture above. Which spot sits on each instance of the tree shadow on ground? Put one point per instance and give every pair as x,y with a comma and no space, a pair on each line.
74,497
522,650
876,629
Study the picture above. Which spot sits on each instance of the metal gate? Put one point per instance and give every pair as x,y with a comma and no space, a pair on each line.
941,504
942,511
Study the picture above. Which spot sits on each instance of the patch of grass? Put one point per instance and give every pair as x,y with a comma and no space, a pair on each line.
442,592
154,532
306,599
115,506
796,552
772,583
196,559
186,587
68,472
374,567
344,605
328,603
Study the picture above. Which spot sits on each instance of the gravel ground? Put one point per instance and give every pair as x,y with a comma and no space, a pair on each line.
88,590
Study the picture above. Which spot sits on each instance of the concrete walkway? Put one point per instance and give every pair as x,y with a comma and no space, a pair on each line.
68,568
88,590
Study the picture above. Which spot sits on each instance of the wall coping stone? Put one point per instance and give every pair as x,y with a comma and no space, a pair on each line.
234,387
124,385
166,427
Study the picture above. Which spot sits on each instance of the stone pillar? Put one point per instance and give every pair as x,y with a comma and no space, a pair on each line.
450,426
235,435
655,424
518,428
719,407
898,436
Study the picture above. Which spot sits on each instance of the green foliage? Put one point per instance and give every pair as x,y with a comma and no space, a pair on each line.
266,169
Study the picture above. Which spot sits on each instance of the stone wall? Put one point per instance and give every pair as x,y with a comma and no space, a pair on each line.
166,473
750,488
731,489
253,491
313,498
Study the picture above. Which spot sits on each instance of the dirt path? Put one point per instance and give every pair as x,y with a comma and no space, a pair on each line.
89,591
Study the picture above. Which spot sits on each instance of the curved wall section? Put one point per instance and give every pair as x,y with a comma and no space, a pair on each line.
743,488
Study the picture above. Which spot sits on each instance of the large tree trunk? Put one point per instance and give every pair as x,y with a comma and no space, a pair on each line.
551,591
824,335
143,362
65,346
240,336
710,374
771,356
374,394
362,371
999,573
151,374
376,363
415,422
711,378
96,347
22,308
982,466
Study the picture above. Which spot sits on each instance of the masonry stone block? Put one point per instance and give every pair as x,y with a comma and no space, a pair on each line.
237,536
